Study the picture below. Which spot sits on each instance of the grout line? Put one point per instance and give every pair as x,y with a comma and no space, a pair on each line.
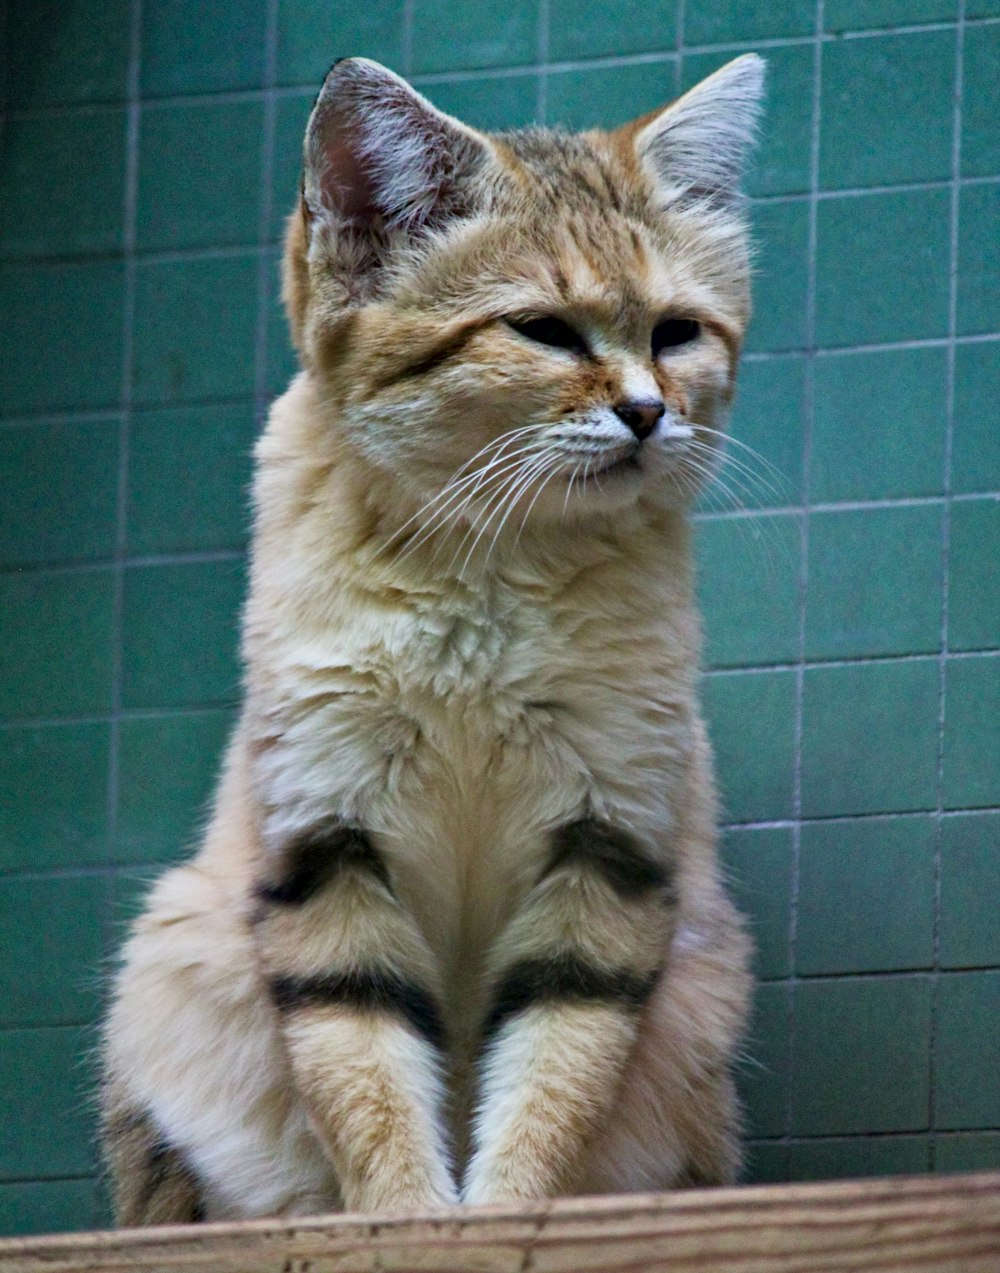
125,560
851,192
681,25
890,346
126,714
129,215
265,211
541,78
808,413
946,482
407,49
824,1138
868,660
785,824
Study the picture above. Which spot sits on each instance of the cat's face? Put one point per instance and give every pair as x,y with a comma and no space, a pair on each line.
554,331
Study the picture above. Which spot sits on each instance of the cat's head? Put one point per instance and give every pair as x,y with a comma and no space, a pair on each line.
531,319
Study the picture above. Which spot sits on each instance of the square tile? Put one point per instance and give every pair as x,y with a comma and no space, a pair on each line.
601,28
758,864
971,739
769,419
970,873
291,114
189,478
169,766
748,571
62,52
51,945
976,453
60,485
765,1163
751,724
491,102
762,1077
967,1094
70,317
879,426
978,260
781,234
882,267
46,1092
68,825
980,123
780,163
63,190
199,175
56,655
906,82
195,329
869,741
181,628
191,47
968,1151
47,1206
732,21
974,587
855,1157
474,35
874,581
866,896
313,34
599,97
860,15
862,1056
982,8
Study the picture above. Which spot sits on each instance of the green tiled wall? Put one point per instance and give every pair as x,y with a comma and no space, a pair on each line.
148,156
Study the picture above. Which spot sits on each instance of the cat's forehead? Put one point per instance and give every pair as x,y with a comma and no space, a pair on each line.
572,172
584,211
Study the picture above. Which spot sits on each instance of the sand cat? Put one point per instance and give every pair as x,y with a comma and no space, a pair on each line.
456,930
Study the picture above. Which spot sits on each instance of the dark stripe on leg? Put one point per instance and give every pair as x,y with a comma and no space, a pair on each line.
360,988
566,978
315,855
613,853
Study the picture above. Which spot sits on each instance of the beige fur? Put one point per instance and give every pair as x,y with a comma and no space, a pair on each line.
461,639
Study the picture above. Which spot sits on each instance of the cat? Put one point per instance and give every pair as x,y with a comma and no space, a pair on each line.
456,930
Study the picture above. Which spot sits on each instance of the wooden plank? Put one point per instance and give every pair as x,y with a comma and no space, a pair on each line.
942,1224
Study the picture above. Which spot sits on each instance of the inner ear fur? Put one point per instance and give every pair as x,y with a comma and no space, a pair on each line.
382,166
695,150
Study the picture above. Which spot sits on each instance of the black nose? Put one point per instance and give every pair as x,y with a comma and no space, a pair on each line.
641,415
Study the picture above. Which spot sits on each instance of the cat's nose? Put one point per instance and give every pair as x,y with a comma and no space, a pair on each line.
641,415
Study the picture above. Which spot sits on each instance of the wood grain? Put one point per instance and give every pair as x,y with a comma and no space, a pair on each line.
934,1224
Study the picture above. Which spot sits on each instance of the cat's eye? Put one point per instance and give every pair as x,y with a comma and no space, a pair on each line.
548,330
674,332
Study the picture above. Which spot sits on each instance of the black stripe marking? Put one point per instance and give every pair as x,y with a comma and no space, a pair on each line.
431,360
615,854
317,854
374,991
565,977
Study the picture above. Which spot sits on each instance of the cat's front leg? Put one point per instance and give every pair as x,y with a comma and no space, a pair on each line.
570,976
356,992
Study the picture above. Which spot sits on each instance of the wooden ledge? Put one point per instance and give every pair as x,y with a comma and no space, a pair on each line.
931,1223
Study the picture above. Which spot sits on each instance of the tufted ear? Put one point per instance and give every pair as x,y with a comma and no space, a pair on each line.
695,149
380,158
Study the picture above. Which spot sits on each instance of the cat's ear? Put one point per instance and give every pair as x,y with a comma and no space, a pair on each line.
696,148
379,157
